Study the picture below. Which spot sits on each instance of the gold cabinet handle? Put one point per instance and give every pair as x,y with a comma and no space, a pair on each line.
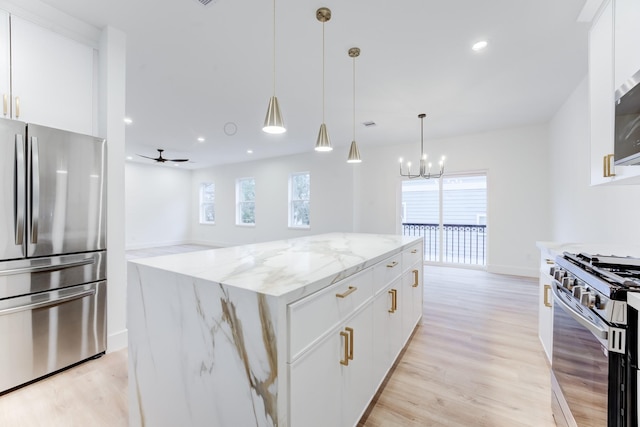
5,106
547,288
349,291
345,361
607,166
415,279
350,331
393,264
17,107
415,251
394,300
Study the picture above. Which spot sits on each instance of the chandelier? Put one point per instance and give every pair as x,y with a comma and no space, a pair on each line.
425,168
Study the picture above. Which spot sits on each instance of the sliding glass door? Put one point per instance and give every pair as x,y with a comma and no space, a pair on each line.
451,214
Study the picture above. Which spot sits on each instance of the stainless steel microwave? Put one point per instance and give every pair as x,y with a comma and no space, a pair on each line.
627,123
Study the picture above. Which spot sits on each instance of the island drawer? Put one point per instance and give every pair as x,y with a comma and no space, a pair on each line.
387,271
312,316
411,256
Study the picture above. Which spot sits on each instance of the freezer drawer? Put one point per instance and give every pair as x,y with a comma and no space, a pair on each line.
45,332
28,276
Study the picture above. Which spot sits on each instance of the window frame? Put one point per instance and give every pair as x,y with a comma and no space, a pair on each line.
240,203
202,217
291,210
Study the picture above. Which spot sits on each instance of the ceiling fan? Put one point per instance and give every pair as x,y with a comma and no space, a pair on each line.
161,159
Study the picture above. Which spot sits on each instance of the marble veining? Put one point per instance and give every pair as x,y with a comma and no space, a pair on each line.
277,268
208,329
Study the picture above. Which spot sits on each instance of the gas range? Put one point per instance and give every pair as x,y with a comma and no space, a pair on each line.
596,281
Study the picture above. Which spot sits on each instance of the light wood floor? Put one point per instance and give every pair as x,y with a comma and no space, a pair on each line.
475,360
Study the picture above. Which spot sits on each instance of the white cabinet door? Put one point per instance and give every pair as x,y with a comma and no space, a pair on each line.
5,63
332,383
545,313
627,40
601,92
357,380
315,397
387,324
52,78
412,290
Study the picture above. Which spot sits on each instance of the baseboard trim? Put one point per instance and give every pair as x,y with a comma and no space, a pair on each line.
117,341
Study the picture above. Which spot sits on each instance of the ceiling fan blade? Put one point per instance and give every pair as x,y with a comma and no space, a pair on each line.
147,157
178,160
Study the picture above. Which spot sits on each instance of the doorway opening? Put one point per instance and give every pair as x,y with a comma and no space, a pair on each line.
451,214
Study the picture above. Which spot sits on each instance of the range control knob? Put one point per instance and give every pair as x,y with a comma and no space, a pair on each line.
569,282
559,274
578,290
588,299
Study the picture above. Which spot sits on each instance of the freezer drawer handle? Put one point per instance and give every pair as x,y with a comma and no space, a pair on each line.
51,267
19,190
44,304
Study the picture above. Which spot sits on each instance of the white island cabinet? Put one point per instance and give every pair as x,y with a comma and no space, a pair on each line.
294,333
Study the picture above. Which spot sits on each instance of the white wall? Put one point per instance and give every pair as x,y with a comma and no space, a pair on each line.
111,111
331,198
581,213
517,179
158,205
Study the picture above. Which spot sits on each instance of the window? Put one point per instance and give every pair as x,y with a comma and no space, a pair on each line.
246,201
207,199
299,195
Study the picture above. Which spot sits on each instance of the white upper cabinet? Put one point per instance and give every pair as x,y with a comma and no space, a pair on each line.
5,59
601,92
52,78
627,40
607,52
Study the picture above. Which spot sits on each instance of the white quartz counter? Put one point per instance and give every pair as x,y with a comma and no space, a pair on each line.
298,266
553,249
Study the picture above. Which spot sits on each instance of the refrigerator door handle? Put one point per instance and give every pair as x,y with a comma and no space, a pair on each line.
41,268
35,189
48,303
19,190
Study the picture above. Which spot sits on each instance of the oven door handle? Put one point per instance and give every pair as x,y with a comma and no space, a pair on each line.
593,328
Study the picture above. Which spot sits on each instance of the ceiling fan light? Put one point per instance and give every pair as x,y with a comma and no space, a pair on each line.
323,143
273,122
354,153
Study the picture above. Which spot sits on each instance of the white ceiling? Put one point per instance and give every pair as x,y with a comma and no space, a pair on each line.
191,69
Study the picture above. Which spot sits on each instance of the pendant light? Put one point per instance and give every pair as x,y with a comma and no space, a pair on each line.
323,143
354,154
273,122
425,168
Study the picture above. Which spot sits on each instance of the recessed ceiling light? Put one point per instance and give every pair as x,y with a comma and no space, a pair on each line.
129,158
200,139
249,151
479,45
128,120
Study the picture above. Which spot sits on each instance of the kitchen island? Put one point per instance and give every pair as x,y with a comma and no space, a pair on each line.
297,332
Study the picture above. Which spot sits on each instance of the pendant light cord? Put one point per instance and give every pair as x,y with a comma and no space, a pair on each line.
323,72
274,47
354,98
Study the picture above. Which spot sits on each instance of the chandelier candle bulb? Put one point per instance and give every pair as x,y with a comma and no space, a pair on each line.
425,168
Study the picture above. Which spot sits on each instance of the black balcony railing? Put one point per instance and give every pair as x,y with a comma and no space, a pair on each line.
461,243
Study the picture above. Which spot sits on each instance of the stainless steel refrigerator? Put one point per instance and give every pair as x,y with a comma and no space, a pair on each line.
52,250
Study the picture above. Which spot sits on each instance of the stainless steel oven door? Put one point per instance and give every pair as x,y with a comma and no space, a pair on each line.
580,365
44,332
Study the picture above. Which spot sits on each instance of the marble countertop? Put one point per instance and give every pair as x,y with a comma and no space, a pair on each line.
284,266
557,248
